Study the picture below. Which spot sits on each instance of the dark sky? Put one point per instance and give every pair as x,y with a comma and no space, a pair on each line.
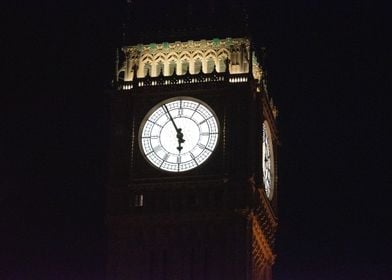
326,75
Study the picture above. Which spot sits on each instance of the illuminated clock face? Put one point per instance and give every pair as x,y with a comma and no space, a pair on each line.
268,161
179,134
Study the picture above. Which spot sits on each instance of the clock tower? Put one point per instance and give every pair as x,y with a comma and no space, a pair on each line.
192,184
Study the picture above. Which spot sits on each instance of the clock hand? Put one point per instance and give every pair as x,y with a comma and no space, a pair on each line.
180,135
180,139
171,118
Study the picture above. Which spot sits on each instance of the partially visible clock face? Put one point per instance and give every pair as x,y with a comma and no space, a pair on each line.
179,134
268,161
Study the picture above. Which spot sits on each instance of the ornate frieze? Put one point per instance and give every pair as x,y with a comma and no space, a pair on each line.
166,59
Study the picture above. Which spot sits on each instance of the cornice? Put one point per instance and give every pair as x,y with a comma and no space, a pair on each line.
179,46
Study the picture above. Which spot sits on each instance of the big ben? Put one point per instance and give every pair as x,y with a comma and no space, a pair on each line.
192,183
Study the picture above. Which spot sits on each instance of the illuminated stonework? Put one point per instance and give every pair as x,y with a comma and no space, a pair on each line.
181,210
191,57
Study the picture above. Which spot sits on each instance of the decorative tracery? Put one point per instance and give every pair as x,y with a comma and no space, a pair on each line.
193,57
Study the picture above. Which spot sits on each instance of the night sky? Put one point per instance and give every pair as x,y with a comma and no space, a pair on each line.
325,63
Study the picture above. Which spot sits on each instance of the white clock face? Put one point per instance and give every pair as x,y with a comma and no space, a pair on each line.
179,134
268,161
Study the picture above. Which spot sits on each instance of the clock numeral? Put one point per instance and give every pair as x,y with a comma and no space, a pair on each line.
157,148
203,121
194,158
166,110
201,146
205,134
178,159
165,157
151,137
197,107
180,112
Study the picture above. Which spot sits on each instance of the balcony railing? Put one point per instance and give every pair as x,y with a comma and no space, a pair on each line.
174,79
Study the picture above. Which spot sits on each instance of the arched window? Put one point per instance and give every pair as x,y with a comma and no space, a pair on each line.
172,67
160,68
210,65
184,67
222,64
197,66
147,69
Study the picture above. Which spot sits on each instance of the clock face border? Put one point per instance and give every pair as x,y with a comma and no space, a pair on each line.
268,151
209,148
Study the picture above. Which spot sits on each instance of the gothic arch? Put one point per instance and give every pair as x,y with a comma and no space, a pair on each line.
198,55
223,53
147,58
211,53
185,55
221,60
172,56
159,58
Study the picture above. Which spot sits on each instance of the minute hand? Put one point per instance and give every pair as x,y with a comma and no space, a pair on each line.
171,118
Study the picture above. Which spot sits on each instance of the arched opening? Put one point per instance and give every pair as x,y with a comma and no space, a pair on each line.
210,65
184,67
198,66
222,64
147,69
172,67
160,66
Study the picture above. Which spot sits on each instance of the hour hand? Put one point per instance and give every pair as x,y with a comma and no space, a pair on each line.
180,138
